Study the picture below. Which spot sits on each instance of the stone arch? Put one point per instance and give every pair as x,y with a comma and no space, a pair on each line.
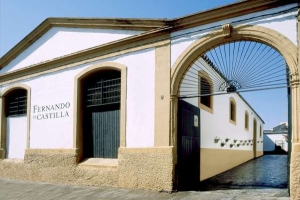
77,135
3,116
253,33
244,32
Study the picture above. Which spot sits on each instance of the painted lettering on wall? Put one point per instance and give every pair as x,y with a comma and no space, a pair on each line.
53,111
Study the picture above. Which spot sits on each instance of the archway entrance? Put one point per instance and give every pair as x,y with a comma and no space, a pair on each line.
101,114
226,80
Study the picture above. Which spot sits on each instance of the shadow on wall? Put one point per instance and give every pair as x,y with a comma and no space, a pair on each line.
269,144
271,148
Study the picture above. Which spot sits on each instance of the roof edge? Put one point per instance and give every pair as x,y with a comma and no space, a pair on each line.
197,19
117,23
228,11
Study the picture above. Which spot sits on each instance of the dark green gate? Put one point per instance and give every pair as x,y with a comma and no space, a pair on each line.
101,133
188,146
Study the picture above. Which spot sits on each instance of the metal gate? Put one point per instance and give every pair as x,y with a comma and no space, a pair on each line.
188,146
101,134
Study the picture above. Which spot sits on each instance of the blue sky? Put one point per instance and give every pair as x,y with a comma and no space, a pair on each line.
19,17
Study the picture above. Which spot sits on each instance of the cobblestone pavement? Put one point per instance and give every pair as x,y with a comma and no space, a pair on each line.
266,171
24,190
252,180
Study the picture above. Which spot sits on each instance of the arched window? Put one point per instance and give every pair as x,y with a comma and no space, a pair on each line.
260,131
101,114
15,129
16,103
232,110
246,120
254,128
205,91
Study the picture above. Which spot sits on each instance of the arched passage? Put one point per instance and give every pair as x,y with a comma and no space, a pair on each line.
79,102
250,33
15,121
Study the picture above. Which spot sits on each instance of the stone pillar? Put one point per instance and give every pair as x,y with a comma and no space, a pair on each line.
173,134
2,130
173,120
162,94
295,154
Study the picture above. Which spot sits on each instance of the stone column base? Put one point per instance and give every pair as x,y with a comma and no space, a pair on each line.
295,172
51,157
146,168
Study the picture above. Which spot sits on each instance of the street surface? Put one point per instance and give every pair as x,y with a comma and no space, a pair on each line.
266,171
251,181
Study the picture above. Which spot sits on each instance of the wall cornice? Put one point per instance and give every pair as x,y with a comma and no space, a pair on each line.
134,43
227,12
120,24
197,19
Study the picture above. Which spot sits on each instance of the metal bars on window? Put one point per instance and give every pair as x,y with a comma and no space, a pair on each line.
103,92
16,103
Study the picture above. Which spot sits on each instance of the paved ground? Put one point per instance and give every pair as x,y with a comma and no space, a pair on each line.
23,190
266,171
250,181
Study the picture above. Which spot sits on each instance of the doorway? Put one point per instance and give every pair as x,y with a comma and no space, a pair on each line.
101,114
188,146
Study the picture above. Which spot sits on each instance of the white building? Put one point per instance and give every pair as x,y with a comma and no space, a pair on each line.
276,138
94,101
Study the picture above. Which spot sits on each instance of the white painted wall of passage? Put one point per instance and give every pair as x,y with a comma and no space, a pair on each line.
16,136
259,138
217,124
59,41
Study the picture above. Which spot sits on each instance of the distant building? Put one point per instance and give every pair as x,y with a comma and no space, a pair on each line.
276,139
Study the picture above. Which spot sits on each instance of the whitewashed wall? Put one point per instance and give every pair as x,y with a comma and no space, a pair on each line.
269,142
59,41
286,24
217,124
16,137
58,87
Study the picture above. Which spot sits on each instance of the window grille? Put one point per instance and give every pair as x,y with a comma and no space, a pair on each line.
205,90
103,91
16,103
